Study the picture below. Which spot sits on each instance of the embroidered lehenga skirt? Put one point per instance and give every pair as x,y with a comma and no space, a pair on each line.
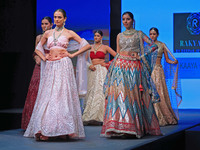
128,106
164,111
31,97
95,99
57,108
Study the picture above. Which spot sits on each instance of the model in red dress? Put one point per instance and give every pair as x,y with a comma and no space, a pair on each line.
46,24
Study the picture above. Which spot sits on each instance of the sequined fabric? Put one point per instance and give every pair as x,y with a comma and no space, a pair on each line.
128,109
31,97
95,99
57,108
129,44
62,42
164,111
160,49
128,106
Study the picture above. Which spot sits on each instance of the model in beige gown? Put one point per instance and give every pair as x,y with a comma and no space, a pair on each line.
95,99
164,110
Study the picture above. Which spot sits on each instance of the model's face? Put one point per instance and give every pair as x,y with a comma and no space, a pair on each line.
153,35
59,19
127,21
46,25
97,37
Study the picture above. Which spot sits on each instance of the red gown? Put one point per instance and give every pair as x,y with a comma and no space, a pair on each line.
31,97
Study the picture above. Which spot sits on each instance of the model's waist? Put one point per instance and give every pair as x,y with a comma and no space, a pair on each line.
130,50
128,57
129,53
97,61
57,51
56,54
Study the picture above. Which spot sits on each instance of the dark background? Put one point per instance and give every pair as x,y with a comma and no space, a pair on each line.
17,38
17,42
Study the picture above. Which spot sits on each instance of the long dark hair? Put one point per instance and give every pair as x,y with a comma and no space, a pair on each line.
155,29
130,15
62,11
99,31
48,18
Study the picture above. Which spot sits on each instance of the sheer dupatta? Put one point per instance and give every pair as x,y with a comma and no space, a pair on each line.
42,64
108,76
147,54
81,67
173,81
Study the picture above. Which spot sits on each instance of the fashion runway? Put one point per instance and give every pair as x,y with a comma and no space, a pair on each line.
172,136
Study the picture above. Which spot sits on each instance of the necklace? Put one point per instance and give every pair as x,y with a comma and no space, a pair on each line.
55,39
95,49
59,28
129,32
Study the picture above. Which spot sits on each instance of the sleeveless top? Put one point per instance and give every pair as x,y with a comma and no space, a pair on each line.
129,44
160,49
61,43
98,55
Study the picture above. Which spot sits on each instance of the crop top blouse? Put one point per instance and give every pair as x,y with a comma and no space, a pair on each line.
129,44
160,49
62,42
98,55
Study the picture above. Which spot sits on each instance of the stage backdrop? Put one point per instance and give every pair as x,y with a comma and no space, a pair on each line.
178,24
83,17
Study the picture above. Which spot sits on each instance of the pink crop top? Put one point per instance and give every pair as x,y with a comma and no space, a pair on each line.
62,42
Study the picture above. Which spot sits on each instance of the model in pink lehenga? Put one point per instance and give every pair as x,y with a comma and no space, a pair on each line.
46,24
166,109
57,111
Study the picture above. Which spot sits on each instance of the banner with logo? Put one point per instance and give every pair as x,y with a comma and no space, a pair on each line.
186,32
187,40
